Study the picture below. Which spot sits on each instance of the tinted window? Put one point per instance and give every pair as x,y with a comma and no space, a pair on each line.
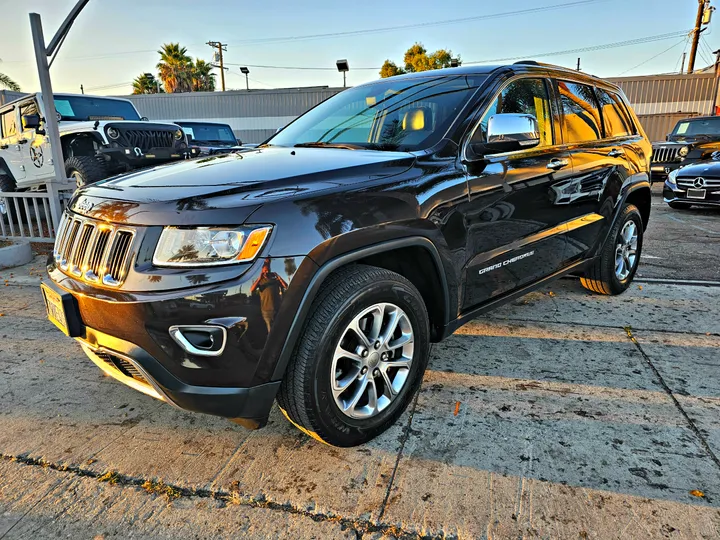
8,124
617,124
392,114
209,133
88,108
581,118
27,109
703,126
524,96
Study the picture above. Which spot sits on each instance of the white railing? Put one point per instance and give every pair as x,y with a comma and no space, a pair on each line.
32,215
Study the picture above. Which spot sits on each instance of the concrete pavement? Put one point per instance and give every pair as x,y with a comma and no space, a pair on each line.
563,415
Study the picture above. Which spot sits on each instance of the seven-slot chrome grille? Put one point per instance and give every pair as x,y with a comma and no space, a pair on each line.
93,251
665,154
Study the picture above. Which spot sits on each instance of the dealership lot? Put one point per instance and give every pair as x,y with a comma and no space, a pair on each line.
563,414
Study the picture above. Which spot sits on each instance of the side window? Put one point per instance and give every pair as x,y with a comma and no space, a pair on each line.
617,124
27,109
523,96
581,117
8,123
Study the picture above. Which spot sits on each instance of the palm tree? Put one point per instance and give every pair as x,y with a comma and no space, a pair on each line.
146,84
8,83
175,68
203,80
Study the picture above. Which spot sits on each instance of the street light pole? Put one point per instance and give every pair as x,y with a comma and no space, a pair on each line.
245,71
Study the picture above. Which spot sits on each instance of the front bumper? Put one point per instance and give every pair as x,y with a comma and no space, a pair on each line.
128,336
135,158
675,194
660,171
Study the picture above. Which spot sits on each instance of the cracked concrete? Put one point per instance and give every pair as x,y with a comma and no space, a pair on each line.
547,418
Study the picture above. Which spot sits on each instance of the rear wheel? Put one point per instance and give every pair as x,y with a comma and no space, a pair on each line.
85,170
360,358
7,185
615,267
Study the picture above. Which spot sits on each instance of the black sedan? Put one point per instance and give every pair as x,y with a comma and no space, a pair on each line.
694,185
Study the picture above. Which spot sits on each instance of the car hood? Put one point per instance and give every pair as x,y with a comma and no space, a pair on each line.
66,126
701,168
200,192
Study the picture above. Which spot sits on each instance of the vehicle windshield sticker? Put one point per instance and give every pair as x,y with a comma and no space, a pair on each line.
64,108
682,128
505,263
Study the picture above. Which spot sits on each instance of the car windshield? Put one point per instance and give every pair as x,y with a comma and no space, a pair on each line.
391,114
93,108
209,133
691,128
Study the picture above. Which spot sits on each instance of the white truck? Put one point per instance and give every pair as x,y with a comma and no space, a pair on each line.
100,137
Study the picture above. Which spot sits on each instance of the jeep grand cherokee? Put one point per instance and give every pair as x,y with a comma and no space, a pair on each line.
316,269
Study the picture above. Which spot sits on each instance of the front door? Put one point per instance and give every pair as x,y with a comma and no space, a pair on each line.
515,235
12,149
38,145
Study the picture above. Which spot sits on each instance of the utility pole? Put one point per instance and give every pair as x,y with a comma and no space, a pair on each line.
682,65
715,86
696,35
220,47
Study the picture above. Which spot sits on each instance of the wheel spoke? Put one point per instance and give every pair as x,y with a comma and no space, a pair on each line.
390,328
358,394
377,315
341,352
401,362
372,396
388,382
355,327
399,342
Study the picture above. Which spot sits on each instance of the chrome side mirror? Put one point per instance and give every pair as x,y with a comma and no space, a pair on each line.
509,132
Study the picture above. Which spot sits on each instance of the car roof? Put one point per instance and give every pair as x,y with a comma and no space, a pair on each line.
61,94
522,66
181,122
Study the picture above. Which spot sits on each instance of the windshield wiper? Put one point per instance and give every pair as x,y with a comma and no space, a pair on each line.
346,146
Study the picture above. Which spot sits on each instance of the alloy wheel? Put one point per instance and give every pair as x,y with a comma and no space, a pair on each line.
372,360
626,250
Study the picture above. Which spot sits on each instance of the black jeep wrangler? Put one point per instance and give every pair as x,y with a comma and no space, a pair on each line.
317,269
692,140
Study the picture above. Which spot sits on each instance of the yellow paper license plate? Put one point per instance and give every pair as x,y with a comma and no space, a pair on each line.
55,309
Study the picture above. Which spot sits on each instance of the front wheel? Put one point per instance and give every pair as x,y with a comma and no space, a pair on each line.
615,267
85,170
360,358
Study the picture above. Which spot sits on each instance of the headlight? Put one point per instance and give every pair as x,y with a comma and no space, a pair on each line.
672,177
113,133
684,151
205,246
179,134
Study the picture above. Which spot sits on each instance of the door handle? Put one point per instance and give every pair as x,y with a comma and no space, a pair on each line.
616,152
557,164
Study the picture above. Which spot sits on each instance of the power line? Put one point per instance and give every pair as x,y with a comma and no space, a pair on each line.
420,25
651,58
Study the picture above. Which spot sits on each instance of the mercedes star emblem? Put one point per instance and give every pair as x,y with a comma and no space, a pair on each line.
699,182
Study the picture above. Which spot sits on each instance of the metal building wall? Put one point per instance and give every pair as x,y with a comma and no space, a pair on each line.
661,100
6,96
254,115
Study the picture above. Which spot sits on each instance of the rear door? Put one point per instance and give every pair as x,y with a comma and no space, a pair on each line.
515,235
11,147
599,136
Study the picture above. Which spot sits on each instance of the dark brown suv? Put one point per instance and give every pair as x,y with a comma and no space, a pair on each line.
318,268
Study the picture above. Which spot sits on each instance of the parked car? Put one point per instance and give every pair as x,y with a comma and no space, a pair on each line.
697,184
100,137
691,140
210,137
332,255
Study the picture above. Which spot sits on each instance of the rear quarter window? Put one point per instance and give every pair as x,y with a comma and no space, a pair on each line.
8,123
615,117
581,115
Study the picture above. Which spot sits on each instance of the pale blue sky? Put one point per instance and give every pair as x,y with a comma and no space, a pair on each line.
101,51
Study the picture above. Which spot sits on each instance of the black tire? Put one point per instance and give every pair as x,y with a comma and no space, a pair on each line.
305,395
679,206
601,277
7,185
85,169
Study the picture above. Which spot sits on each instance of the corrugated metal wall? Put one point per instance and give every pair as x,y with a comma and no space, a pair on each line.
6,96
254,115
661,100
